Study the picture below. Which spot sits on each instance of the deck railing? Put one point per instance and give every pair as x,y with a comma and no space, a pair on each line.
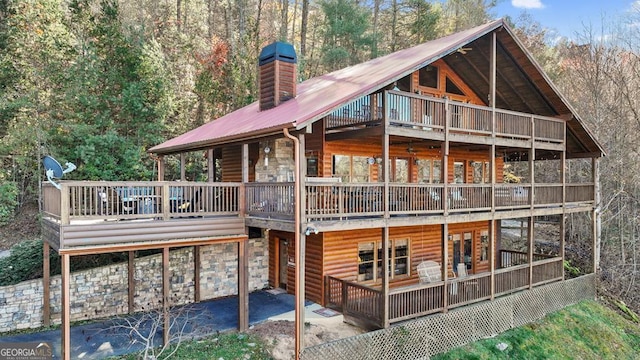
270,199
324,201
513,258
430,114
365,302
120,200
344,200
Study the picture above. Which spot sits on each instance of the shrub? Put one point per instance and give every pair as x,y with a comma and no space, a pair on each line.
8,201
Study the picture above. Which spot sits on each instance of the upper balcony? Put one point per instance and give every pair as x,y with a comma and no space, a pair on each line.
432,118
102,214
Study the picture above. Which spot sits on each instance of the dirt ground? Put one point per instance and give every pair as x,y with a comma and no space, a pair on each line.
280,334
25,226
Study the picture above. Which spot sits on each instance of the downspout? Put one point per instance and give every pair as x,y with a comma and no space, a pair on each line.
299,280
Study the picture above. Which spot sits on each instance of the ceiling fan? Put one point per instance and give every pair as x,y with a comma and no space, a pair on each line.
463,50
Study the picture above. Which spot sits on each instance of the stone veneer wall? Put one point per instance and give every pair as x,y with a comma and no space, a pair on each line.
102,292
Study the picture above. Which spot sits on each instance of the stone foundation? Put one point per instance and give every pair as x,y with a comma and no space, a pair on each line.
102,292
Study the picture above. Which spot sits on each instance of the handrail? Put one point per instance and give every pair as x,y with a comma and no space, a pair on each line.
121,200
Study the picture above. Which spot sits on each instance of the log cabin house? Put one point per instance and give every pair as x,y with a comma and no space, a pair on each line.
473,136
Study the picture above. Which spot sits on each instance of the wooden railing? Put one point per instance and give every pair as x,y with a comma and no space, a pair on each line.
429,113
514,258
547,270
469,289
412,301
87,200
324,201
547,194
407,302
511,279
579,192
344,200
270,199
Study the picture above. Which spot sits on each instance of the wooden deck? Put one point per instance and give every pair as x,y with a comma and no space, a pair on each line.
107,213
358,301
433,117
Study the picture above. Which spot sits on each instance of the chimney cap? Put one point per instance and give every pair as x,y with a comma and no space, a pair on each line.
277,51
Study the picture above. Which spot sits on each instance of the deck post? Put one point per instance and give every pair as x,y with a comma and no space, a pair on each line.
196,273
595,173
183,158
445,266
211,161
243,285
46,293
385,277
563,178
160,168
532,175
492,256
131,283
66,313
165,295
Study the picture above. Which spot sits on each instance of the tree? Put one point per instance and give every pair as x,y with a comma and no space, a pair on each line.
346,41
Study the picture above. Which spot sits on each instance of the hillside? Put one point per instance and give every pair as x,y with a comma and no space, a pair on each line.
589,330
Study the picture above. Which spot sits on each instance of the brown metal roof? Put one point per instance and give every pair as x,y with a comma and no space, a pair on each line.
321,95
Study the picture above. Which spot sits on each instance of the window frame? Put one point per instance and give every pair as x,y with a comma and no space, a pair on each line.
376,259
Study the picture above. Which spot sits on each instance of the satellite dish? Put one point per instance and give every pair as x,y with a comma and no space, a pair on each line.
54,170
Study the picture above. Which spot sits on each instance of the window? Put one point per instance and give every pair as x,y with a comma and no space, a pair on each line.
401,171
484,245
481,173
452,88
458,172
428,76
462,250
370,259
428,171
351,169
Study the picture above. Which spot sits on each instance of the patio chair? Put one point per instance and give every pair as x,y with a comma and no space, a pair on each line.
111,203
429,271
187,205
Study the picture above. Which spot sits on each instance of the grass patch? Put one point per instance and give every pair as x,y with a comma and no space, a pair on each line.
587,330
227,346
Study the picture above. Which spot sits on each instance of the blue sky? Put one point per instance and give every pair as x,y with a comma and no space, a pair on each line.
566,16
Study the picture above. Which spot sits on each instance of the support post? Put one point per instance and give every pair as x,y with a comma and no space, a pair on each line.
160,168
131,283
196,273
183,166
385,277
445,266
243,285
597,225
563,178
211,170
66,313
492,256
46,293
165,295
530,235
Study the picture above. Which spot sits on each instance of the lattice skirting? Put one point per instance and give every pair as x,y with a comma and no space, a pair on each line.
427,336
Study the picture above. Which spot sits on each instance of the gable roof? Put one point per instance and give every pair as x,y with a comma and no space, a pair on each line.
319,96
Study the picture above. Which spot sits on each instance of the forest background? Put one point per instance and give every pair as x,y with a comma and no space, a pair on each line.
98,82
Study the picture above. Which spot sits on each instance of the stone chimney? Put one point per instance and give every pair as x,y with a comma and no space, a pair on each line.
277,74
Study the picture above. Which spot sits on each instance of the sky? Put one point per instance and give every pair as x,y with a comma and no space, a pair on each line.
566,17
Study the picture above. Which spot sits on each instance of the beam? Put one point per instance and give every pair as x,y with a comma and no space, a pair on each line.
211,163
66,313
46,293
131,287
165,295
183,167
243,286
196,273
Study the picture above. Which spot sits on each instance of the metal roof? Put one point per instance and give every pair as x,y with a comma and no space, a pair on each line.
321,95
